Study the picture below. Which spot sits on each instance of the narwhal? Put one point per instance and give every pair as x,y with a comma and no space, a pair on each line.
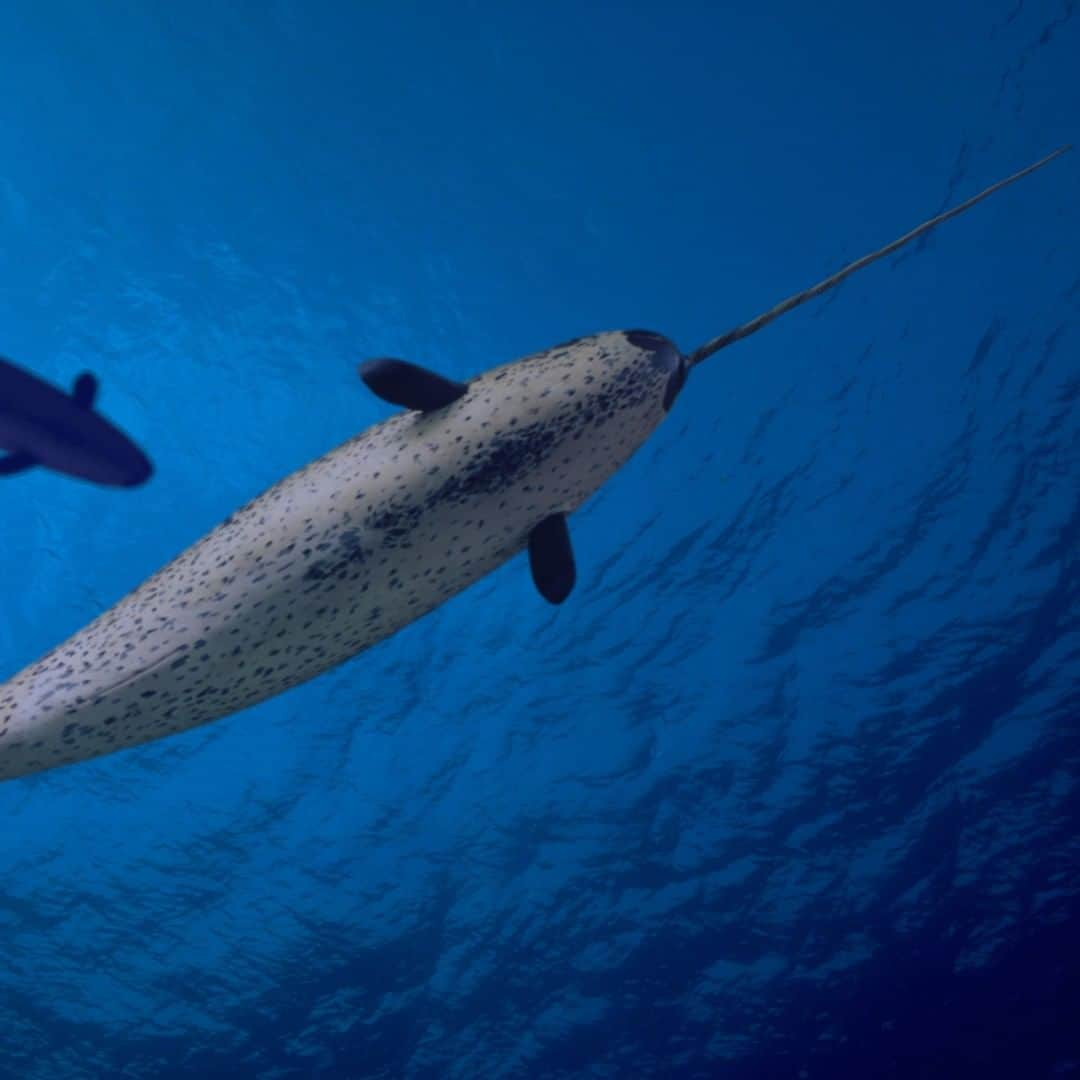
380,531
40,424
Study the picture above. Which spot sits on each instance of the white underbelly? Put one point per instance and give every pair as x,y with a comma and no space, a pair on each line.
325,564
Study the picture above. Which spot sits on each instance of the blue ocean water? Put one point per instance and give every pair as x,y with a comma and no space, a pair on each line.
789,786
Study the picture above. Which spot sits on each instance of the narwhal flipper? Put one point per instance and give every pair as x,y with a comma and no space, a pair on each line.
551,559
10,464
85,390
409,385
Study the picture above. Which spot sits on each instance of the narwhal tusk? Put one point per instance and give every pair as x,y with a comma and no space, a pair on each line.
755,324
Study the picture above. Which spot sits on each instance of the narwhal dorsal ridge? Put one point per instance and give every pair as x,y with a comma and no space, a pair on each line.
410,385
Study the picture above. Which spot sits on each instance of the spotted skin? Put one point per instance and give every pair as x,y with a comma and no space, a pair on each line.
344,552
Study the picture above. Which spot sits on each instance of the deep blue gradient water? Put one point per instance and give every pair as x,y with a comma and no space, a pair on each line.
789,787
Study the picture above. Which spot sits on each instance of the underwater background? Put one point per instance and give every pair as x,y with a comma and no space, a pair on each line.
789,786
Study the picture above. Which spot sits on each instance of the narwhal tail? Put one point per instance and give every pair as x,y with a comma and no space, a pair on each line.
755,324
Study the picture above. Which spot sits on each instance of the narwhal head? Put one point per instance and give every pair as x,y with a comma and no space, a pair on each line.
555,424
628,376
584,406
